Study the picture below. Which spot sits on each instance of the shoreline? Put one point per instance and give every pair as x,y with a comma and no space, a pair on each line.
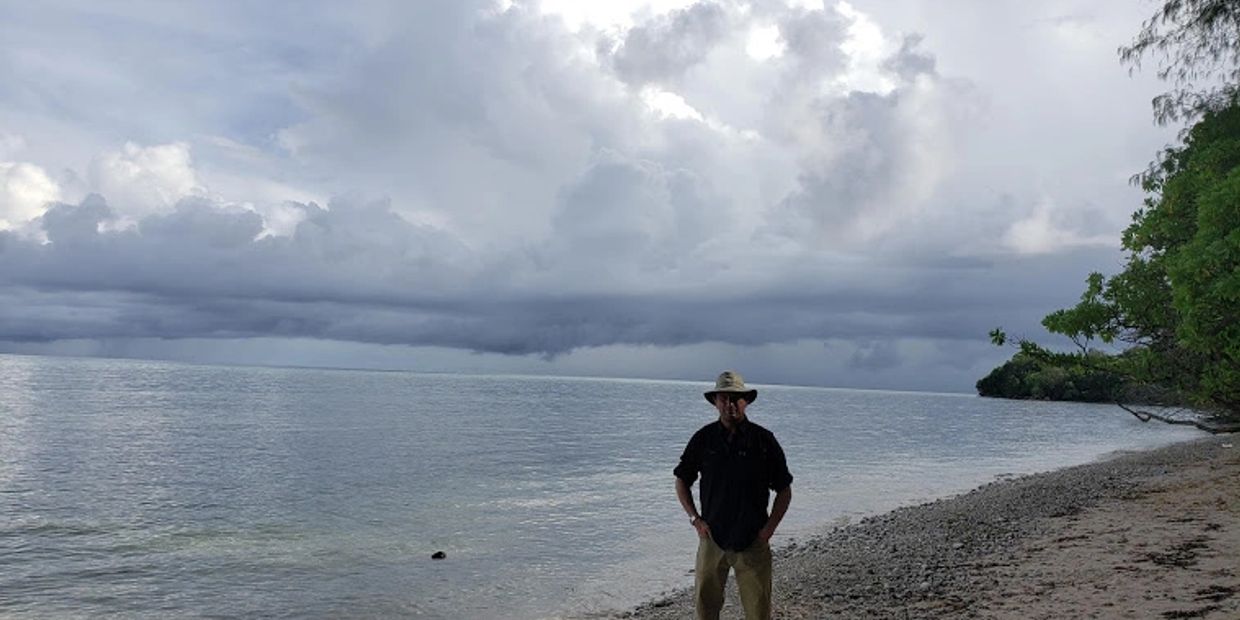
1148,534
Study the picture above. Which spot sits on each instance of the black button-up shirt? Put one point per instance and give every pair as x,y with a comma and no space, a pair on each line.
739,470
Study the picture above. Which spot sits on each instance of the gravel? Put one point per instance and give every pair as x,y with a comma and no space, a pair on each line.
939,552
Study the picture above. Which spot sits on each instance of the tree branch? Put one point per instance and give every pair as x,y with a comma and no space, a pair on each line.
1146,416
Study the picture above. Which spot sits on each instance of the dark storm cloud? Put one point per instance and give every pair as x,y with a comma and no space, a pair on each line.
358,272
350,251
875,355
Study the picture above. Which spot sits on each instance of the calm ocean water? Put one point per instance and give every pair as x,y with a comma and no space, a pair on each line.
151,489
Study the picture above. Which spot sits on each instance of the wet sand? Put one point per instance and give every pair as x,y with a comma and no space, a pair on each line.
1140,535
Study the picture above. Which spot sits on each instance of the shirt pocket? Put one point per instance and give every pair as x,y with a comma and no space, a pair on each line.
714,462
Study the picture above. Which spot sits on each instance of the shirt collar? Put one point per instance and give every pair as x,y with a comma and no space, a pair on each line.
742,429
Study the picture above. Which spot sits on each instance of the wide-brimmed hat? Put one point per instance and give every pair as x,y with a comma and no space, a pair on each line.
731,382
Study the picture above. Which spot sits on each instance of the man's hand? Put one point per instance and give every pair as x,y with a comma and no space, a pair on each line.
782,499
703,530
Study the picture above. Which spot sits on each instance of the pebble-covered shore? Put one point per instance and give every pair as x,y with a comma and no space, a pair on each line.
945,558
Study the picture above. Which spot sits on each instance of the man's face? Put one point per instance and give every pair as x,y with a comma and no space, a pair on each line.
731,407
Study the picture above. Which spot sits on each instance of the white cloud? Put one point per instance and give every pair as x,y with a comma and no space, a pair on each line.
1047,230
765,43
668,104
10,145
142,180
25,191
611,15
866,48
1078,33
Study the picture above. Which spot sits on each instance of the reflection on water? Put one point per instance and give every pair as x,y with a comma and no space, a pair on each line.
156,489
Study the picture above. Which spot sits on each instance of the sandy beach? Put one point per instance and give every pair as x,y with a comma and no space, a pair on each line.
1138,535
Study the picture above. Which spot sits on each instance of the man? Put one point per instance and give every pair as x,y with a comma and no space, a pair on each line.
740,464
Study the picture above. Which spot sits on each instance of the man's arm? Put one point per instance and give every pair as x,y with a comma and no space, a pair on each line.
782,499
686,501
780,478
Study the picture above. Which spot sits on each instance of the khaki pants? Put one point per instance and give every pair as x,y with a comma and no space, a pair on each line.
753,579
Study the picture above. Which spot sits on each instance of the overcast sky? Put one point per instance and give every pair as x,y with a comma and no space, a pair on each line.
841,194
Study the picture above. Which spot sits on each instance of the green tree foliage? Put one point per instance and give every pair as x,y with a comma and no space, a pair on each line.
1175,307
1176,304
1197,46
1039,375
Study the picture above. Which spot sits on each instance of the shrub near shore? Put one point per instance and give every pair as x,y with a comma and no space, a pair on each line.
1033,377
1026,377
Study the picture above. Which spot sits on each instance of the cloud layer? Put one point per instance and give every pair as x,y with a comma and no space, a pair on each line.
489,178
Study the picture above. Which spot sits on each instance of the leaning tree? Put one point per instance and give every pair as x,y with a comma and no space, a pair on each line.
1175,307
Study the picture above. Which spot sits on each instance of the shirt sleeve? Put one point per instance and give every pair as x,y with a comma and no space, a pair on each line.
690,461
777,467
